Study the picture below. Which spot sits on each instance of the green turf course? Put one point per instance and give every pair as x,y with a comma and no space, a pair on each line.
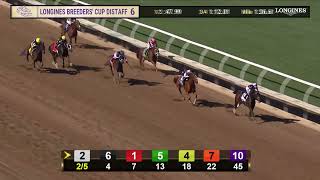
286,45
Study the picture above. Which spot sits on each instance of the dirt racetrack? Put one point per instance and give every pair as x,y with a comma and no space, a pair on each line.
44,113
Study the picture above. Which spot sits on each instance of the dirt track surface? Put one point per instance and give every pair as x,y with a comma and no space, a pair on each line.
44,113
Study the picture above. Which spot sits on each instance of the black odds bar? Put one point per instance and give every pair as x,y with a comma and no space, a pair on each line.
148,165
225,11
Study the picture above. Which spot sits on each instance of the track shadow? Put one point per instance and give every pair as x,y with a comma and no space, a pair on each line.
91,46
59,71
80,68
210,104
269,118
134,82
168,72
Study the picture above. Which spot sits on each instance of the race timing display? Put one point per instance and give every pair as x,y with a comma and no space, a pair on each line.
156,160
137,11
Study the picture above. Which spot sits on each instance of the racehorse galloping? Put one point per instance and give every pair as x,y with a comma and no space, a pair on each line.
36,54
250,100
116,66
72,30
63,52
152,56
189,86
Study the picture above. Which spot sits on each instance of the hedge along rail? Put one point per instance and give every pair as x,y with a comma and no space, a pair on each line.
284,84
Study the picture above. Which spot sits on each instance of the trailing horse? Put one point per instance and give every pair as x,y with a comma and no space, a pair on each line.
152,56
72,30
250,101
189,86
63,52
36,54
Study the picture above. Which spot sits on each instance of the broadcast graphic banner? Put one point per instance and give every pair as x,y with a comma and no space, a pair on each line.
74,11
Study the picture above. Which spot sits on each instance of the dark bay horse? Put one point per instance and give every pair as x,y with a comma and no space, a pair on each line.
63,52
36,54
72,30
152,56
116,66
250,101
189,86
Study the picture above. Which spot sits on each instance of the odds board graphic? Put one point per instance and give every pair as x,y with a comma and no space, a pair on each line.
156,160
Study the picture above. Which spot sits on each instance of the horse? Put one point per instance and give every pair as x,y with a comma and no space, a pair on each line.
63,52
36,54
189,86
152,56
116,66
72,30
250,101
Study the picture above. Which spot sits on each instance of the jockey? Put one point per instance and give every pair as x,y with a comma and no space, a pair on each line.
34,43
61,40
184,75
119,55
152,43
249,88
69,21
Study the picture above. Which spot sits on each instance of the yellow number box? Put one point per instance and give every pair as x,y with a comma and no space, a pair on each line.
186,155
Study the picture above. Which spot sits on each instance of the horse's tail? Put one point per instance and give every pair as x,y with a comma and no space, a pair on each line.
138,53
175,79
24,52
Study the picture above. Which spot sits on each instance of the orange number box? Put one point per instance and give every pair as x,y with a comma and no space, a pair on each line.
211,155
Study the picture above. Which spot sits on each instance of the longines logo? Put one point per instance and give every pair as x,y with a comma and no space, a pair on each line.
291,11
24,11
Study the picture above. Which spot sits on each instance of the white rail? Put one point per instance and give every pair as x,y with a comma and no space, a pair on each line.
247,62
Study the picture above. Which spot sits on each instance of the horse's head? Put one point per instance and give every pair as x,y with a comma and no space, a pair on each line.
193,77
255,95
77,25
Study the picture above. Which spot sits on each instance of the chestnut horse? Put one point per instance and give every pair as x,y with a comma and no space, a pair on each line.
189,86
116,66
72,30
152,56
250,101
63,52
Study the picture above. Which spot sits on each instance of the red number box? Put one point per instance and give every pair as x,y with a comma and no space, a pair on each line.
211,155
134,155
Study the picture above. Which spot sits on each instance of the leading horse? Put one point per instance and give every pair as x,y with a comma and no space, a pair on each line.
36,54
189,86
72,30
250,101
116,66
152,56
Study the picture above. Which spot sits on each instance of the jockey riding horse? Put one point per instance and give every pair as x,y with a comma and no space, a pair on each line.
247,97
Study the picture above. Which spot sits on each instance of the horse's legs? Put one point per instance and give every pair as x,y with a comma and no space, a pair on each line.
55,61
69,61
236,105
63,62
155,65
75,39
195,100
179,88
28,56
